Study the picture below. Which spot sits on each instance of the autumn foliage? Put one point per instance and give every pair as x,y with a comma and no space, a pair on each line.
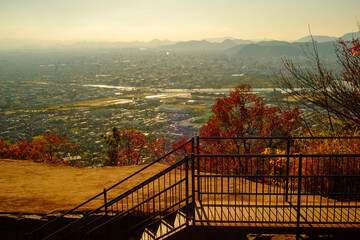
334,96
50,148
243,114
348,142
131,147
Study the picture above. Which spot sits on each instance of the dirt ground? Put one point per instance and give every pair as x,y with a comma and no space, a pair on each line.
28,187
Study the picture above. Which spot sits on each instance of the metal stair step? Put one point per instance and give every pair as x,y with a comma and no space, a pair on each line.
180,219
163,228
148,234
170,219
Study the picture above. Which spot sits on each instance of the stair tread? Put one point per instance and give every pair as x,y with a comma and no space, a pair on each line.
170,219
165,222
151,230
181,213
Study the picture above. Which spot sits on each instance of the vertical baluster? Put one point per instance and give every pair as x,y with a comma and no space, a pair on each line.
287,166
228,183
263,192
159,196
165,193
299,198
187,190
105,202
198,167
193,185
153,199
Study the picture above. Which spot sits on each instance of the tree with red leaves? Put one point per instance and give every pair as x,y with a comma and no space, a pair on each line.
53,147
24,150
50,148
243,114
132,147
183,149
4,149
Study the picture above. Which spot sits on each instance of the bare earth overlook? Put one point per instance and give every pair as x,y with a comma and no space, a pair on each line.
28,187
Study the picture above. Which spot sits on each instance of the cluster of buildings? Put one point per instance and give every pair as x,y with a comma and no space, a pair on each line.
81,95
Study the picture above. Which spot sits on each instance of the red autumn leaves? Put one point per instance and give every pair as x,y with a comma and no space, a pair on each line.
50,148
243,114
131,147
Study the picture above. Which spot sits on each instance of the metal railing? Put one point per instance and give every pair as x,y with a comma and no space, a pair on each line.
56,226
234,186
147,203
282,190
259,195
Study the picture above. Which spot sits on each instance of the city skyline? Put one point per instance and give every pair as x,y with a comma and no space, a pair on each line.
141,20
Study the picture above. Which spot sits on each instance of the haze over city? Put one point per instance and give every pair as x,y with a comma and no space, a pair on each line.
112,20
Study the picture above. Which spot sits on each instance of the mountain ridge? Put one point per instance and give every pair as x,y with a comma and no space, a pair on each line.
215,44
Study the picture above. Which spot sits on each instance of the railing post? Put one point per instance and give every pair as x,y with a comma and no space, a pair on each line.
106,211
86,226
187,190
287,168
299,198
193,187
192,146
198,166
193,171
105,202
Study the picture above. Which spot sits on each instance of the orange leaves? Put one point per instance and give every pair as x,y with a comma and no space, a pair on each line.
327,166
329,146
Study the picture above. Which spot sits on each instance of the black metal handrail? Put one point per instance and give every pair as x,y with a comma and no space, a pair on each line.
310,200
117,199
185,162
292,182
284,138
276,155
104,193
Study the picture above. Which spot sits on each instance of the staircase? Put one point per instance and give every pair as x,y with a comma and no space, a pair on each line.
207,190
156,208
165,227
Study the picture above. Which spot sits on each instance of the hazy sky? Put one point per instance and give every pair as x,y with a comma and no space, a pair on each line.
120,20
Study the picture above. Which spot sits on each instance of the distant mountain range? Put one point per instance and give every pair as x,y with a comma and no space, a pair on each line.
350,36
317,38
325,47
248,48
228,45
135,44
203,45
281,49
10,43
321,38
